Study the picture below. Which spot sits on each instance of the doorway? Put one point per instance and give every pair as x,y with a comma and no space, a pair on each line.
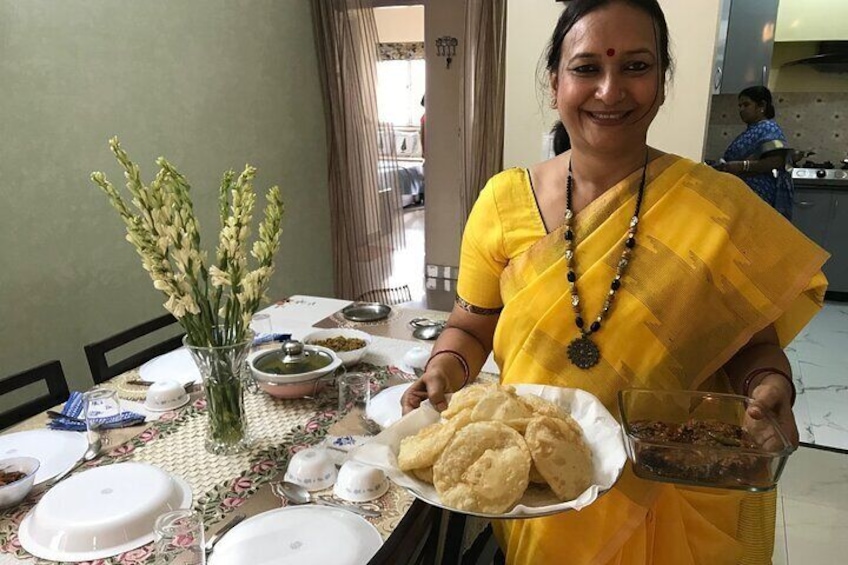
401,71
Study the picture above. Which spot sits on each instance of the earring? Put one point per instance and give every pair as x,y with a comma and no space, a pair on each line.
553,103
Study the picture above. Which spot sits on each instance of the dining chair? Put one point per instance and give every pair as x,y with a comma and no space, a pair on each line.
389,296
96,353
57,392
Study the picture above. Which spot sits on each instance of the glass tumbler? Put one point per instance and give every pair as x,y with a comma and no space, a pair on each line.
179,538
355,390
100,406
261,324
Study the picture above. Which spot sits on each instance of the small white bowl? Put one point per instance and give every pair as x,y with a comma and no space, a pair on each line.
15,492
312,468
360,483
165,395
417,357
349,358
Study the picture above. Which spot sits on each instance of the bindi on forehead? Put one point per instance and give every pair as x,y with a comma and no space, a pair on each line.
610,52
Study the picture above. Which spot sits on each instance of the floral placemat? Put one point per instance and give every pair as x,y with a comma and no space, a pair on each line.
219,485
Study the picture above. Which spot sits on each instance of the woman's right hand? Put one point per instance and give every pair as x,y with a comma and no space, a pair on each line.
433,384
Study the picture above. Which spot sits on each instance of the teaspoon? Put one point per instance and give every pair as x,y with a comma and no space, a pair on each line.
296,494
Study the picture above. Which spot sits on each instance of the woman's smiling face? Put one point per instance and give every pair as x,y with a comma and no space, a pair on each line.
609,86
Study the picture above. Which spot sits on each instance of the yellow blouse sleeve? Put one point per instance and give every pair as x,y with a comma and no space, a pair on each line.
483,257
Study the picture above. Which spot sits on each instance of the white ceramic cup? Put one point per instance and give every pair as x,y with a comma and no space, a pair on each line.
165,395
312,468
358,482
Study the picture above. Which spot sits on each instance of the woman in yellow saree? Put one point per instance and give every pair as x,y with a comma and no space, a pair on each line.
697,283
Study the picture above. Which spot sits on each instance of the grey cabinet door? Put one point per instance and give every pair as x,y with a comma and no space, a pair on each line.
812,213
836,269
748,45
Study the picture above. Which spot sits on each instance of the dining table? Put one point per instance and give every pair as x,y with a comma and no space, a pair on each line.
412,531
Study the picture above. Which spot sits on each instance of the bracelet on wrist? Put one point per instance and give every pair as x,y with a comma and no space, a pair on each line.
459,357
749,380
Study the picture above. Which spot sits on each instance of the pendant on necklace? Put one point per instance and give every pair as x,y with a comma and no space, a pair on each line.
583,352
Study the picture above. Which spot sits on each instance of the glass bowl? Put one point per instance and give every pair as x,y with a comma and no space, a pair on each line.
701,439
13,492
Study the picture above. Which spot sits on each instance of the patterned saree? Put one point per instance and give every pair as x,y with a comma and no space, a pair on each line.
713,265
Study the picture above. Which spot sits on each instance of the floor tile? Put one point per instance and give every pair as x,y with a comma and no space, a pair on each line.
815,534
816,476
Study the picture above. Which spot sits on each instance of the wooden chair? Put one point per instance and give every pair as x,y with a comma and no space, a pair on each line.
390,296
57,392
102,370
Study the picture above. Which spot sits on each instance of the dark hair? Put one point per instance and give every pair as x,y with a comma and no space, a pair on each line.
576,11
760,95
562,142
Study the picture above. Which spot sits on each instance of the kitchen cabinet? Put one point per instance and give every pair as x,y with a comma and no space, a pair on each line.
836,269
812,20
822,215
744,45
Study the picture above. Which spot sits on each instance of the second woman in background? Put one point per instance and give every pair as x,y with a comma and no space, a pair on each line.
759,154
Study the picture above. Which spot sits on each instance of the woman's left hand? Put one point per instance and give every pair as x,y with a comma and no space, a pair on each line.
774,394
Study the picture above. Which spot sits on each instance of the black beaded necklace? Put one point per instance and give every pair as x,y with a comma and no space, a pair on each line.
582,351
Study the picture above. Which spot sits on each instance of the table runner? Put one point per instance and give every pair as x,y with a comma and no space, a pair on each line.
221,484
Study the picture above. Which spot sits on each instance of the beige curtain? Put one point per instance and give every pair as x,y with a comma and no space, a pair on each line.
485,64
365,201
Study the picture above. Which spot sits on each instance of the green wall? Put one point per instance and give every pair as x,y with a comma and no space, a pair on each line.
210,85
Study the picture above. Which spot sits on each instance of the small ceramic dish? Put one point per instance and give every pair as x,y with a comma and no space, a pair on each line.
312,468
166,395
360,483
15,491
324,338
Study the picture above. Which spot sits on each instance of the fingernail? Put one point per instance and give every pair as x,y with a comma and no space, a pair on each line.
441,406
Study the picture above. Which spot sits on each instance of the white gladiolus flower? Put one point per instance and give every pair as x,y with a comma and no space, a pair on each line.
161,226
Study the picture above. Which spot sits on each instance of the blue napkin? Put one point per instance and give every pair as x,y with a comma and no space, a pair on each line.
74,408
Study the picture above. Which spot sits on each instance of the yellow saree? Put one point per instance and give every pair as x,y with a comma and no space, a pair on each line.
713,266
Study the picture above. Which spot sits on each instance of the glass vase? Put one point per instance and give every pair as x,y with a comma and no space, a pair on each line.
222,369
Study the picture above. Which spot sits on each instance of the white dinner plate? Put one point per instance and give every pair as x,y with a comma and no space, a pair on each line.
101,512
299,535
57,451
384,408
177,365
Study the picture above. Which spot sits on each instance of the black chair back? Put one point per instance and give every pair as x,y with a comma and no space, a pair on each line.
57,392
102,370
390,296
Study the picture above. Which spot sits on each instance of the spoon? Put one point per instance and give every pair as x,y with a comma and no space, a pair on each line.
428,332
296,494
210,543
90,453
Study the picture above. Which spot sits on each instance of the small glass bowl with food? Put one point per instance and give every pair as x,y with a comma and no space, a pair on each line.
17,475
349,345
701,439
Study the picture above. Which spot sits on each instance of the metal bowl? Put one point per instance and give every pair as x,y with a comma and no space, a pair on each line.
366,312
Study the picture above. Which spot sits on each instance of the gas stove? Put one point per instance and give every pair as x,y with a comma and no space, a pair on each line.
829,176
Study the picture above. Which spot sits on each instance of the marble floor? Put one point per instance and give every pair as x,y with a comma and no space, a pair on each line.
812,509
819,357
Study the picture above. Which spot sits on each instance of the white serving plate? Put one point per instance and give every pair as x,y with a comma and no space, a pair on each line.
177,365
299,535
101,512
601,432
385,408
56,450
